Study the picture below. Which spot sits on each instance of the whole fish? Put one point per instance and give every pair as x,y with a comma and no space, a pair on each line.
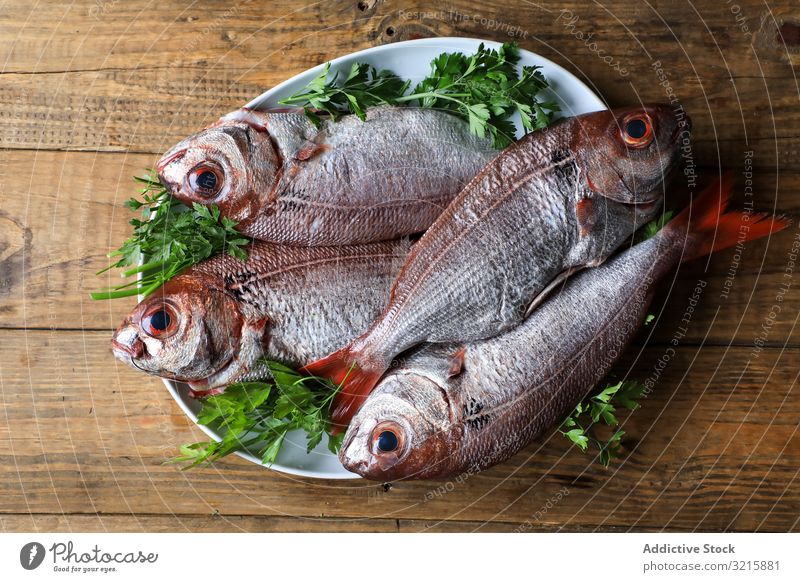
430,419
556,201
350,181
211,324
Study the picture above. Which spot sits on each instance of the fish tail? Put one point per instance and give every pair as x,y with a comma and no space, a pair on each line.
355,383
706,227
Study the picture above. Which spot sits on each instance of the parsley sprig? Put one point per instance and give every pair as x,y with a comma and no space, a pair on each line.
256,416
170,237
485,89
363,87
597,411
650,229
596,414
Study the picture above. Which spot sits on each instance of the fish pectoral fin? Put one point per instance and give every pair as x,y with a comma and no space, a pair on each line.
584,210
456,362
558,280
308,150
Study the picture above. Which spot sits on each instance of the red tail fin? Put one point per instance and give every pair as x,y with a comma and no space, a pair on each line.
707,228
356,384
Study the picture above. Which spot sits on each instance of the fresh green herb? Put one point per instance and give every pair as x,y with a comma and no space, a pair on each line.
581,426
168,238
650,229
362,88
485,89
256,416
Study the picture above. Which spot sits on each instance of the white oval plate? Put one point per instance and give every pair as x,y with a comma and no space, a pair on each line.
410,60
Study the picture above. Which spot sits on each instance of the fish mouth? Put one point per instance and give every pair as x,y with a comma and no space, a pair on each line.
122,354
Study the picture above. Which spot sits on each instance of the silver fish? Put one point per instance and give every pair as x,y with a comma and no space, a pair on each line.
556,201
210,325
447,410
286,181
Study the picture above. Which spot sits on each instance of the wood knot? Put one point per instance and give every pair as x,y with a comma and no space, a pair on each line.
12,238
15,241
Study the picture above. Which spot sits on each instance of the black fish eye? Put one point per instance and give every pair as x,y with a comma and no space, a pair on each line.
207,180
636,128
160,320
387,441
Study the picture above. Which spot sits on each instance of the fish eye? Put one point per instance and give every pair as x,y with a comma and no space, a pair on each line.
388,437
387,441
637,130
205,180
160,321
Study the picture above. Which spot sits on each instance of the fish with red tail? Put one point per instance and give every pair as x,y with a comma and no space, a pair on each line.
431,419
212,324
284,180
558,200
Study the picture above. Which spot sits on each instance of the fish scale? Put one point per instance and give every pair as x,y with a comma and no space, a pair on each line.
299,303
544,207
346,182
510,389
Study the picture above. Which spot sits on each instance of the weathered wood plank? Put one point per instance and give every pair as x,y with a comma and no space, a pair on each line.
62,212
135,523
715,446
59,216
742,95
83,434
88,35
150,110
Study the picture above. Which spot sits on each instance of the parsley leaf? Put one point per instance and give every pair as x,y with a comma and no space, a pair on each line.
363,87
256,416
171,237
485,89
650,229
598,410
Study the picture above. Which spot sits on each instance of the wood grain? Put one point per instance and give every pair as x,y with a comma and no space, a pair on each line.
93,35
92,92
115,93
149,110
714,432
135,523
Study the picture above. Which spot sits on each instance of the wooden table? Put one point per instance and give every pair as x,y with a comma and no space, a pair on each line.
93,91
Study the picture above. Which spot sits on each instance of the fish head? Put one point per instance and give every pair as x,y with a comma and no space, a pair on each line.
186,331
401,431
232,164
627,154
